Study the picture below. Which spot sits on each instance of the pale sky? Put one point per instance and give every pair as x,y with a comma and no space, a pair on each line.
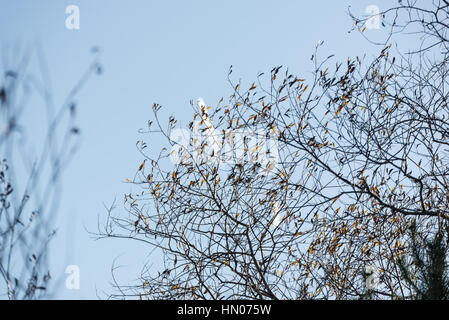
155,51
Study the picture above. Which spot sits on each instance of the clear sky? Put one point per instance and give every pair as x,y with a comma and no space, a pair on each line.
155,51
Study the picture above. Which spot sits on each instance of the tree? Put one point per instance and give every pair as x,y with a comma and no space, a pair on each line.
429,281
293,186
33,156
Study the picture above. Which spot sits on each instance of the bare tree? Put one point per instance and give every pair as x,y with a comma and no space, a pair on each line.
294,186
33,155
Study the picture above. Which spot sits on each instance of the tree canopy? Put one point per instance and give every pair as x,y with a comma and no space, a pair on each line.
291,186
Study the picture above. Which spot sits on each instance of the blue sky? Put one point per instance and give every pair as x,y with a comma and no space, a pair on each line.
155,51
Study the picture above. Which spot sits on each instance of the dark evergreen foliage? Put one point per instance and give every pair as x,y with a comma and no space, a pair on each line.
430,279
